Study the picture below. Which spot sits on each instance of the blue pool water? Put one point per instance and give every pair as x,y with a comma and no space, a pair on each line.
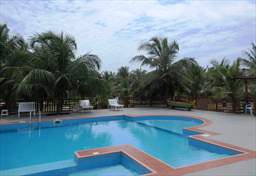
157,136
116,170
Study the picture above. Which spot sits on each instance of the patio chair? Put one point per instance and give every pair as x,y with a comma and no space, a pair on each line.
249,108
113,104
85,105
4,112
27,107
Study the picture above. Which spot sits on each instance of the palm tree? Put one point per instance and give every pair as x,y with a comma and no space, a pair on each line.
109,79
161,56
193,79
250,60
4,39
60,53
137,82
250,64
56,72
121,86
85,77
14,63
222,78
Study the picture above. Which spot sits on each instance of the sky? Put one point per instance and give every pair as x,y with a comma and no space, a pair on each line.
113,29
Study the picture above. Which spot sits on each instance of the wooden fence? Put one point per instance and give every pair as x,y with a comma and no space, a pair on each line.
47,106
202,103
53,106
146,101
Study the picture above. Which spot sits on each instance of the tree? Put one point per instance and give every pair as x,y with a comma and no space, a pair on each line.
56,72
161,56
14,63
250,67
250,60
137,81
123,82
222,77
47,67
193,79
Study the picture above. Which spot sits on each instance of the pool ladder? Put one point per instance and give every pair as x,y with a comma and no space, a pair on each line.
39,119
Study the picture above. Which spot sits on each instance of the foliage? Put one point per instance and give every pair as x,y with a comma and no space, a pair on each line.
193,79
222,75
250,60
47,67
161,57
250,67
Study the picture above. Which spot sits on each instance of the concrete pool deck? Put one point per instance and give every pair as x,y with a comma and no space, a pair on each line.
235,129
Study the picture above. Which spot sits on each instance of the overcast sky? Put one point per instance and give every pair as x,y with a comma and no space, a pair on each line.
113,29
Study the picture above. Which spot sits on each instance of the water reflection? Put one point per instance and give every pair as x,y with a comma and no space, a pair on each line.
168,147
60,143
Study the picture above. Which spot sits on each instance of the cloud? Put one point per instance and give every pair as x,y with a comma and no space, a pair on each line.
113,29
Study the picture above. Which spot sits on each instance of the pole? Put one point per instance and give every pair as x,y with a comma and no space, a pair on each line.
246,90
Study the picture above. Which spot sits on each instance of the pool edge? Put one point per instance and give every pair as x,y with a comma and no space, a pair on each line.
246,154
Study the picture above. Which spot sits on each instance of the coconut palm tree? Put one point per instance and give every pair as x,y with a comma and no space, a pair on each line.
160,53
161,57
121,86
193,79
222,78
250,67
60,53
137,82
4,39
56,71
250,60
14,63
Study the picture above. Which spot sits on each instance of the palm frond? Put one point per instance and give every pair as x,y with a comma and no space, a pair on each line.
91,61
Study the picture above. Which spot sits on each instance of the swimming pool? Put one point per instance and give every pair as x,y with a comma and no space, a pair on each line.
164,138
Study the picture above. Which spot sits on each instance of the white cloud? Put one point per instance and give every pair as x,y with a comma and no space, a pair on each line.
114,29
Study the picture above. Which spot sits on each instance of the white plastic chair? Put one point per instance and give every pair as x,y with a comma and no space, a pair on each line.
27,107
85,105
4,112
249,108
113,104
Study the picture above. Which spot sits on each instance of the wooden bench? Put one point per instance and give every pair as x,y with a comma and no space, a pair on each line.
177,104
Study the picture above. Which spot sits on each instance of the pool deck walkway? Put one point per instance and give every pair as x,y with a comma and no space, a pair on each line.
234,129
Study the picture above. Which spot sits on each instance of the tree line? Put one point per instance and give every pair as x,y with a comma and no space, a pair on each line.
46,66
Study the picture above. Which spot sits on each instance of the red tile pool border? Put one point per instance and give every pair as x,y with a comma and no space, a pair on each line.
160,168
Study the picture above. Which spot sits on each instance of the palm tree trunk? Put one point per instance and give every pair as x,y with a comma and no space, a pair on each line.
195,101
166,101
234,103
126,101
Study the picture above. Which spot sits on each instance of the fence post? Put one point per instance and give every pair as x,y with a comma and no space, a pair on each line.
254,104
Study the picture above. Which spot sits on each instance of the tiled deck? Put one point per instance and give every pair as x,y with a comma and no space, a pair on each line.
239,131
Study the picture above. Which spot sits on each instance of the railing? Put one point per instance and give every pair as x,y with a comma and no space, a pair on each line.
224,105
47,106
147,101
53,106
203,103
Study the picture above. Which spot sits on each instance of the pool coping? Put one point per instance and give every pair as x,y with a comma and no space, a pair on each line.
158,165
